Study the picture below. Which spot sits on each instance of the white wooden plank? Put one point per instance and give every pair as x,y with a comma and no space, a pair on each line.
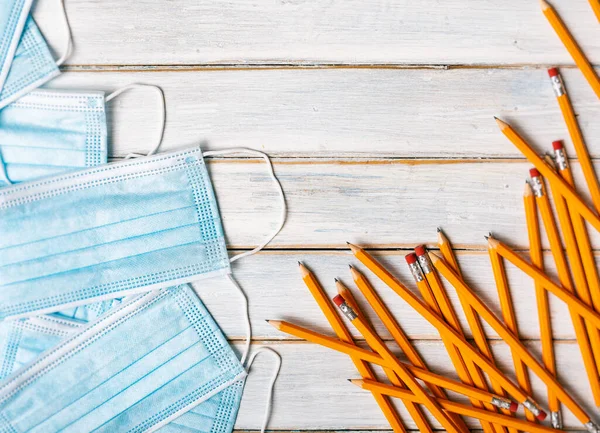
267,32
382,204
344,112
312,391
276,291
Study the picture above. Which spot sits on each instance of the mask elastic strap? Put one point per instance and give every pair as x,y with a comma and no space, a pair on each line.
276,370
162,111
69,41
282,215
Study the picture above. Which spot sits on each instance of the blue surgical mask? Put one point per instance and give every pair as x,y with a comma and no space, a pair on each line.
23,340
107,232
13,14
50,132
32,65
173,359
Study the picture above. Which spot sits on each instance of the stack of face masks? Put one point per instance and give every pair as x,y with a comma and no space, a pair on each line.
99,329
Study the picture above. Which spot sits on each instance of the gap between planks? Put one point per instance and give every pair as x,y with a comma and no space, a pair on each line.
298,66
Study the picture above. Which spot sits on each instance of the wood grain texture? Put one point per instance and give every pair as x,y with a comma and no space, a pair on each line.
312,392
246,32
380,204
344,112
276,291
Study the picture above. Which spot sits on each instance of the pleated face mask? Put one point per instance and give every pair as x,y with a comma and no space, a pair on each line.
135,369
106,232
32,64
23,340
49,132
13,14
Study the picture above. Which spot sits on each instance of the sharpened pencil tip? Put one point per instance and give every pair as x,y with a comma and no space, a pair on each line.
487,238
353,248
501,124
439,229
544,4
351,267
336,280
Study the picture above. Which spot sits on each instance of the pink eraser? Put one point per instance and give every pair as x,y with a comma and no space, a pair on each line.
514,406
420,250
411,258
553,72
534,172
338,300
542,416
557,145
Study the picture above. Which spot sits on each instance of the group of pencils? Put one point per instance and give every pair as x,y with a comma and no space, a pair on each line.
578,285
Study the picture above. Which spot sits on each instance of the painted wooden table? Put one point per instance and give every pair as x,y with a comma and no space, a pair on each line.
379,118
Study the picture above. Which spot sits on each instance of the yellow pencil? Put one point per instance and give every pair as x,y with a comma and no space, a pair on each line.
581,234
513,341
510,319
576,135
342,332
438,300
596,8
590,347
576,203
403,373
414,411
369,356
455,356
457,408
396,331
470,314
572,47
541,295
491,369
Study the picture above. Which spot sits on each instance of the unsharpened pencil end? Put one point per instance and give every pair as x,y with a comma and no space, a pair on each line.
338,300
501,124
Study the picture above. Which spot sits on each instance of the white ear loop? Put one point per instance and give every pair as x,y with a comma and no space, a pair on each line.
162,111
282,218
277,368
69,42
282,215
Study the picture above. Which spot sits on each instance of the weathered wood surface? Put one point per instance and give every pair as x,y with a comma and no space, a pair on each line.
307,32
380,118
362,113
313,392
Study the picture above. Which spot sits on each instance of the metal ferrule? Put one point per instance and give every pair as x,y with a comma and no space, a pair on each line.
537,186
558,86
532,406
416,272
561,159
348,311
425,263
502,403
591,427
556,420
